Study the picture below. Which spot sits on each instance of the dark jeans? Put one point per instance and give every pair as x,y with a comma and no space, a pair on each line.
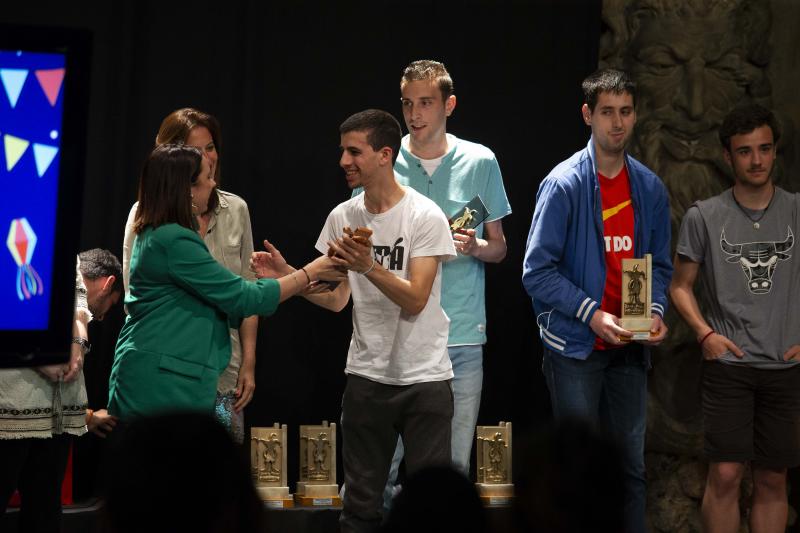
373,415
609,389
35,467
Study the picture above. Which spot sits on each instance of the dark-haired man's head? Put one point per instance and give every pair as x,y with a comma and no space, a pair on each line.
370,141
746,118
609,110
749,135
102,275
607,80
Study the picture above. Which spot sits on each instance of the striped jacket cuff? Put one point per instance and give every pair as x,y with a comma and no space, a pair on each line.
657,309
586,310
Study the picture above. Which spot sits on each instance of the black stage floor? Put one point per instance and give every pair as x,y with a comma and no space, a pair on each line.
85,518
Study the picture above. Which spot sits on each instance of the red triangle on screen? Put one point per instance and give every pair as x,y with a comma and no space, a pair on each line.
51,80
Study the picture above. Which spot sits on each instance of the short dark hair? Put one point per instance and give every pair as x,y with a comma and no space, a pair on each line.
98,263
607,80
165,187
427,69
744,119
381,127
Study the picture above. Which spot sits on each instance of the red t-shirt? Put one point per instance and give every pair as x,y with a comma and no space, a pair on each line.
618,235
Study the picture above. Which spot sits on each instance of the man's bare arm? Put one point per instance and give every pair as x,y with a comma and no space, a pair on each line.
410,294
333,300
682,293
681,290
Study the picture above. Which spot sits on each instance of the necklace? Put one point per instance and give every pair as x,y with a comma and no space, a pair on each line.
755,221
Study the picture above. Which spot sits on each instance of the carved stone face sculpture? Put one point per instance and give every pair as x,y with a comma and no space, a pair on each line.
693,61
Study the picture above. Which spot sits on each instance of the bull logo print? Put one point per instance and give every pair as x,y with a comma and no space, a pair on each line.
394,253
758,259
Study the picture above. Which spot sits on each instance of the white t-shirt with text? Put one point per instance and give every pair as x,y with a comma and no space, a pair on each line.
389,345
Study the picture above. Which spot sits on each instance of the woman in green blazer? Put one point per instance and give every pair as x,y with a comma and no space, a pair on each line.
175,341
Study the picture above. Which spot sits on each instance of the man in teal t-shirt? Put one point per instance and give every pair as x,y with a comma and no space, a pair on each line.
451,172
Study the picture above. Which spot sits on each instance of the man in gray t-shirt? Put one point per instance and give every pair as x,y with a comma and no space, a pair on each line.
741,243
749,274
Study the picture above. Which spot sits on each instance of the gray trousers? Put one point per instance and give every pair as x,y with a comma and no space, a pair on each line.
373,415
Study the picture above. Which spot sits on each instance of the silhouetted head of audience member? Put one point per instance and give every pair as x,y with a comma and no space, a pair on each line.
436,499
179,472
568,479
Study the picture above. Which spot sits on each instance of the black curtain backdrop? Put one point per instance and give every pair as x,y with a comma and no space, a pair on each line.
281,77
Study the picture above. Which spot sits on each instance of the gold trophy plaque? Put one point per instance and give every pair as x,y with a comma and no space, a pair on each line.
637,296
317,485
268,465
494,465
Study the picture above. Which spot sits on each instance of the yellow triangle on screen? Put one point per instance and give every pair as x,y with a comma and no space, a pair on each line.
15,147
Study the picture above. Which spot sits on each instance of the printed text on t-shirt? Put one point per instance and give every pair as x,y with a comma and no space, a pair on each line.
395,255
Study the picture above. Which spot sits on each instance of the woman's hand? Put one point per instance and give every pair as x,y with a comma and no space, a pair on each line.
326,269
316,287
269,264
245,386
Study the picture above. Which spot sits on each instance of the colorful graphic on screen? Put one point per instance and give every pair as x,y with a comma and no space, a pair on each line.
22,242
31,113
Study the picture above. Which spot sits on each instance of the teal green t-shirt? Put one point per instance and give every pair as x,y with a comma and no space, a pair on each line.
466,170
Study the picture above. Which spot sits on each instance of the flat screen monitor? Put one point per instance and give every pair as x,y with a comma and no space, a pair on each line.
44,75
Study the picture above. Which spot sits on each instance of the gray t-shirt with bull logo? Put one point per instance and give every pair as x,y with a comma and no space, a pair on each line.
750,272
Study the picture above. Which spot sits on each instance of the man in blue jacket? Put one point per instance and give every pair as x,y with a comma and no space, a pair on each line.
592,210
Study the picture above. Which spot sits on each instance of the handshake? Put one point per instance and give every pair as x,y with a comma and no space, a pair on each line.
360,235
347,259
351,252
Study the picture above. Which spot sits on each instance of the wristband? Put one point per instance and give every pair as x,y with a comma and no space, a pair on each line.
367,271
307,276
83,344
707,335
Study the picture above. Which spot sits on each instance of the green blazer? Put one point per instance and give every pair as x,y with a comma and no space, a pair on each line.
175,342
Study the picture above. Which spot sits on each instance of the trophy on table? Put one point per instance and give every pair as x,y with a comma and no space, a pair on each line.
469,216
268,465
494,465
637,294
317,485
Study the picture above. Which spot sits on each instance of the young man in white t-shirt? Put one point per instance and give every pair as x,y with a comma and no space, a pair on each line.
398,370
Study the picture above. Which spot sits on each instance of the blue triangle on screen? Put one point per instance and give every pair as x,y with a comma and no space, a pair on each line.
44,155
13,80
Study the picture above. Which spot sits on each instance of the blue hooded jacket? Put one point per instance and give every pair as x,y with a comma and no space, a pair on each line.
564,270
